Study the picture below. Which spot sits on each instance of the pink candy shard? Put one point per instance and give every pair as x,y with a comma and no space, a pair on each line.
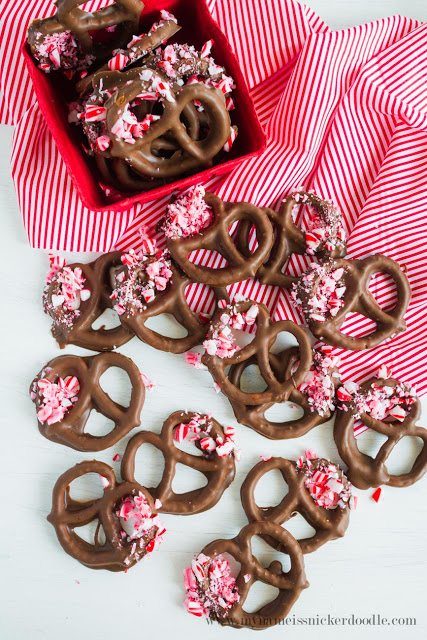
376,495
210,587
188,215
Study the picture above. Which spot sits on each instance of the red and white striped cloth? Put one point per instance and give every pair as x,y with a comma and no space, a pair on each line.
346,115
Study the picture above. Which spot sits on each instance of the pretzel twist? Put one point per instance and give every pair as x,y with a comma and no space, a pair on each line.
278,390
290,583
70,431
219,471
365,471
254,416
329,524
67,515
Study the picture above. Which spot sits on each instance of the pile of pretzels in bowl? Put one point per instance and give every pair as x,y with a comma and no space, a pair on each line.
149,111
247,242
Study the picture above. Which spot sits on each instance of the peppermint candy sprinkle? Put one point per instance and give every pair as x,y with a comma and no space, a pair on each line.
327,484
319,293
221,340
188,215
211,589
142,530
54,399
199,429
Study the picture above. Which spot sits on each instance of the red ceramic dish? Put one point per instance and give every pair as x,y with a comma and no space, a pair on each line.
197,27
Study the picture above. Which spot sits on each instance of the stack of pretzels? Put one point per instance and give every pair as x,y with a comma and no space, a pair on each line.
150,112
249,242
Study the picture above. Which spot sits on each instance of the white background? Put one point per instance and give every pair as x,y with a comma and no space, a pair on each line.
378,568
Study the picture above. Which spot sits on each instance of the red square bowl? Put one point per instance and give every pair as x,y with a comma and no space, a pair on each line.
197,27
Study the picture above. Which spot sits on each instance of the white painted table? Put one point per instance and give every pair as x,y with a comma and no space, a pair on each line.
378,568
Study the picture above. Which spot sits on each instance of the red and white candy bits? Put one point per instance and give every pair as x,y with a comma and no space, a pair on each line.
319,385
60,51
140,527
188,215
64,299
199,429
210,587
328,296
326,483
145,276
55,399
324,227
221,340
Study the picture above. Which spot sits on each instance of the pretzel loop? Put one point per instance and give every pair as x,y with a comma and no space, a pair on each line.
329,524
218,471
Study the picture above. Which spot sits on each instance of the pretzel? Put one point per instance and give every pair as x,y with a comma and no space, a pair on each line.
216,237
76,26
290,583
365,471
139,47
325,307
135,310
83,375
118,552
329,524
192,154
266,333
218,470
74,326
253,416
328,241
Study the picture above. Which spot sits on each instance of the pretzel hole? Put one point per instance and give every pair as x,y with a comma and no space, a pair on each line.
86,487
187,479
188,446
404,454
165,324
271,489
98,425
210,259
370,442
247,240
201,299
284,340
357,325
108,319
116,383
149,465
259,595
252,380
298,526
266,554
92,533
383,289
284,412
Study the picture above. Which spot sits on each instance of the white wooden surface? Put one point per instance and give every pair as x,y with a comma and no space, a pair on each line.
378,568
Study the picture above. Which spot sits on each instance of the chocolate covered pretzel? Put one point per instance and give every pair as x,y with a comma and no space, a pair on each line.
77,295
67,390
213,592
139,47
328,292
222,350
325,236
125,512
216,463
149,285
65,40
201,221
390,408
306,485
315,396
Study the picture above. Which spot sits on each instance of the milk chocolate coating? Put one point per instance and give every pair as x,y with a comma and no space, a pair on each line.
140,49
68,515
192,154
172,301
216,237
81,333
278,390
358,299
290,583
329,524
124,14
219,471
363,470
70,431
253,416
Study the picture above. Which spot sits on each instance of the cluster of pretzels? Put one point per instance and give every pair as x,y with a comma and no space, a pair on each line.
150,112
138,285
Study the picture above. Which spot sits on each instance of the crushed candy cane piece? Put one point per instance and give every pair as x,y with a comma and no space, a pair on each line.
211,589
146,382
55,399
376,495
319,384
325,228
325,481
221,341
188,215
116,457
380,401
143,529
195,360
319,292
